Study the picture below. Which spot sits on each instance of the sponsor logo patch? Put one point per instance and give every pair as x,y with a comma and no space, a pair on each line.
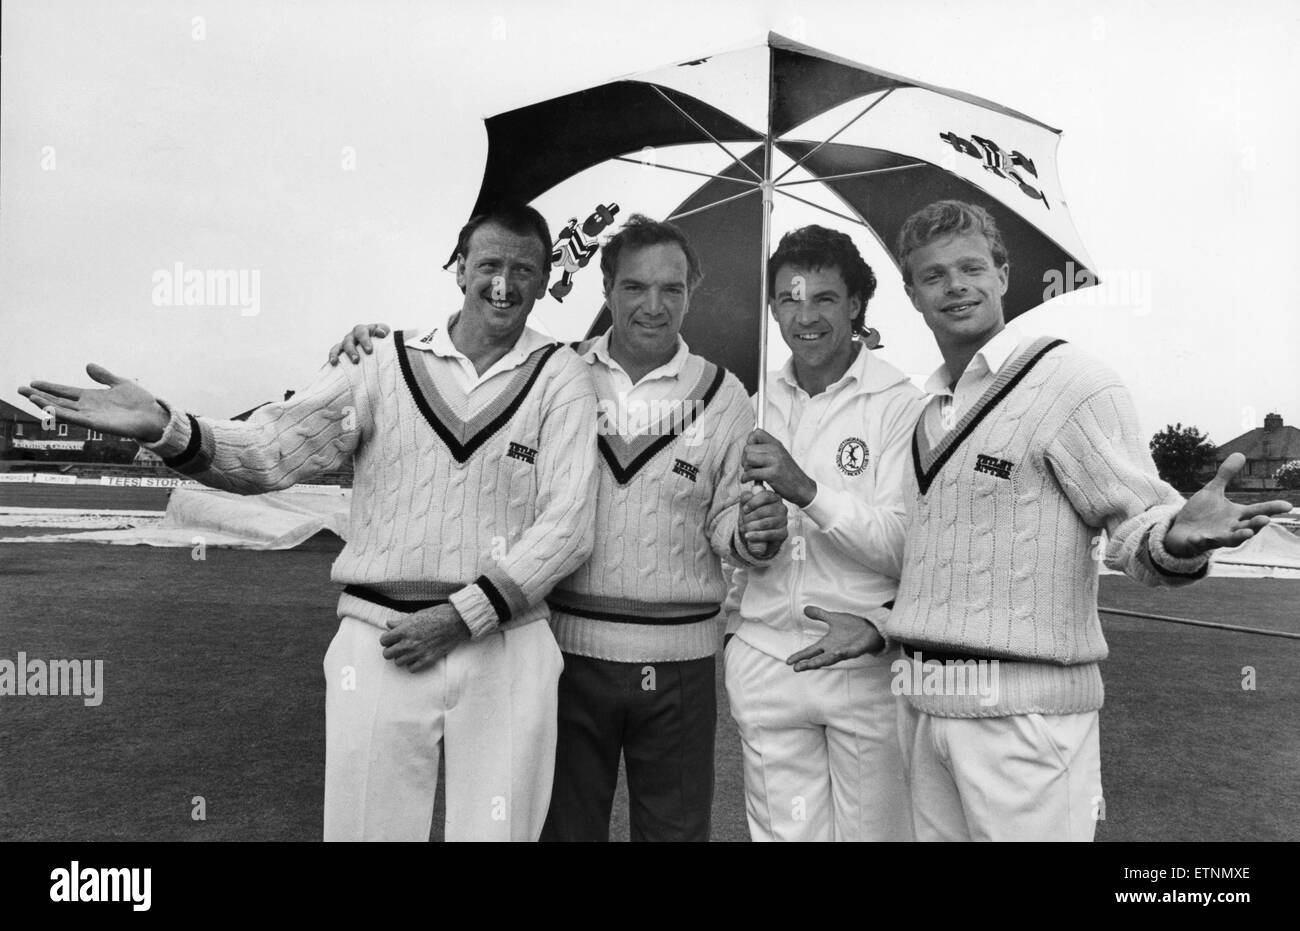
993,466
685,468
522,453
852,456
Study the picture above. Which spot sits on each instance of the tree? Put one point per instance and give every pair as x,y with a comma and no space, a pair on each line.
1182,455
1288,475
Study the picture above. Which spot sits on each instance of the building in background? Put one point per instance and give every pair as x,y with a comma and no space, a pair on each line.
1266,449
25,437
26,441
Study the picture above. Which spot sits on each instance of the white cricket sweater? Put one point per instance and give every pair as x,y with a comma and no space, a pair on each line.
667,509
487,513
1005,513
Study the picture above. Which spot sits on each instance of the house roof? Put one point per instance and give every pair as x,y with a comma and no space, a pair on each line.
1283,443
13,412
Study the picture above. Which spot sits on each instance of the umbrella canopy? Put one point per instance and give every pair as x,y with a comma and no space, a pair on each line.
727,137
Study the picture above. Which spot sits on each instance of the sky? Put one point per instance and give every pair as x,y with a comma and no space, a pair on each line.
334,148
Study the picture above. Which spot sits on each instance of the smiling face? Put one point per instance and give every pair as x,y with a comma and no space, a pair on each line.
958,289
819,328
502,275
648,298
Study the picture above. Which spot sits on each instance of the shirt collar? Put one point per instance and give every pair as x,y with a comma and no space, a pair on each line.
868,371
852,374
989,360
1000,348
438,341
599,351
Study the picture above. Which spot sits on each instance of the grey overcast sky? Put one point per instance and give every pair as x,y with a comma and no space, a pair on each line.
135,135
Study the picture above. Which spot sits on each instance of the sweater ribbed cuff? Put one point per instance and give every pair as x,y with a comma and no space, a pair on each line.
475,609
176,435
492,600
1191,566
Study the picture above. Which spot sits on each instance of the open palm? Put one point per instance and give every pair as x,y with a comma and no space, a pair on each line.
849,636
123,408
1209,520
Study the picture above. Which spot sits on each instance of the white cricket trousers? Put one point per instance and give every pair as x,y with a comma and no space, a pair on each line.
1024,777
821,751
492,702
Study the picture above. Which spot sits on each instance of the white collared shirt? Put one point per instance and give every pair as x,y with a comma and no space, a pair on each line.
479,390
947,405
634,400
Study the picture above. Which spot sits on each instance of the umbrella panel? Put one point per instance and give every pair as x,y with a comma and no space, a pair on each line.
889,197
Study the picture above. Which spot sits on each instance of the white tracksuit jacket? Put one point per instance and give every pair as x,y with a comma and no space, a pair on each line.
845,549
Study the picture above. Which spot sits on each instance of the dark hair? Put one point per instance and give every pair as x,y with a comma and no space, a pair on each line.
946,218
815,248
513,215
639,232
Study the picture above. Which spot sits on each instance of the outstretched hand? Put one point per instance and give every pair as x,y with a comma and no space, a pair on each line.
359,338
849,636
123,408
1209,520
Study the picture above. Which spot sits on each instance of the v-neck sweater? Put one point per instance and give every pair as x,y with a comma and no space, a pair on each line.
486,513
1004,530
667,504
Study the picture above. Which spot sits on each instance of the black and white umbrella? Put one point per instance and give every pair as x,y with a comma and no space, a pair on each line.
728,138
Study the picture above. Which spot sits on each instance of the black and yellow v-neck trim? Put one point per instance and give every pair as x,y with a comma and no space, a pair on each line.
625,460
928,462
464,437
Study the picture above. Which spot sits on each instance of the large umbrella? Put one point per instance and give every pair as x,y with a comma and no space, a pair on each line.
745,129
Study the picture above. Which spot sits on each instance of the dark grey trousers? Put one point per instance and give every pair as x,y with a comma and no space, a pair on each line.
662,717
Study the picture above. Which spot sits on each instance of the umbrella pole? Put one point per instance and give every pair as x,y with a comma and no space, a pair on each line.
767,189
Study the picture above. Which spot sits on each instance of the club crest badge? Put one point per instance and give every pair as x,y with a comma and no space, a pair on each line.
852,456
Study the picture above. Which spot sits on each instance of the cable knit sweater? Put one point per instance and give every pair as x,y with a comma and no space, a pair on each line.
1003,532
487,513
666,511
